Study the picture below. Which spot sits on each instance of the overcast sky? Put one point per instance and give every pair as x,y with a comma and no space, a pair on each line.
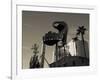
36,24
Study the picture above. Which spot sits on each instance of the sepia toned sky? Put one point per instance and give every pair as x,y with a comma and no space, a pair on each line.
36,24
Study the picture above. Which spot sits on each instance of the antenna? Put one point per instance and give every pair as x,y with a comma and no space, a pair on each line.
35,48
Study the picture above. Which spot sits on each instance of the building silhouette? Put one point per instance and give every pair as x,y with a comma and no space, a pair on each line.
76,48
76,57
